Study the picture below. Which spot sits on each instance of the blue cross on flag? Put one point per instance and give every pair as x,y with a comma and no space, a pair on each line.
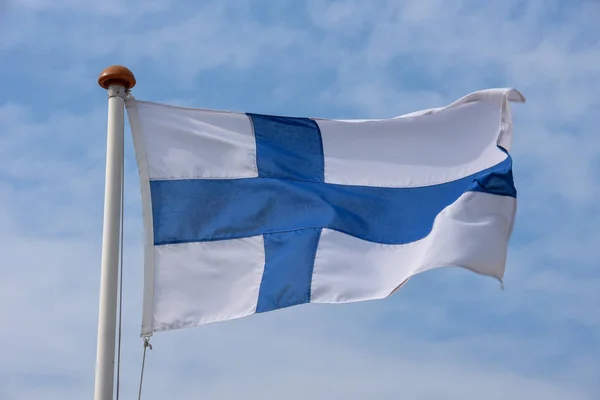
247,213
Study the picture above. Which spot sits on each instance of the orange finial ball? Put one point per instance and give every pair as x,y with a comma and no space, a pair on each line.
116,75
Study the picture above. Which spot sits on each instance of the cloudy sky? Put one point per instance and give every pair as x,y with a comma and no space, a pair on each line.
448,334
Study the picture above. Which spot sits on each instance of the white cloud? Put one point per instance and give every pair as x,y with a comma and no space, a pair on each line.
104,8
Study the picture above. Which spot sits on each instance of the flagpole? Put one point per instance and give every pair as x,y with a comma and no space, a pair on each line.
116,80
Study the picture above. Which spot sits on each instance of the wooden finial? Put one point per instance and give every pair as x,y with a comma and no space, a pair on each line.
116,75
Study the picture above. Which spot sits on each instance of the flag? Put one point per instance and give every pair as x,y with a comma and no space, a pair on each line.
247,213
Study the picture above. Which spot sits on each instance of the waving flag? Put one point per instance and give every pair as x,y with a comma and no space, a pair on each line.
247,213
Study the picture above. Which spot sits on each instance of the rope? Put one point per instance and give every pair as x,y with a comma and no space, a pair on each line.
120,276
146,346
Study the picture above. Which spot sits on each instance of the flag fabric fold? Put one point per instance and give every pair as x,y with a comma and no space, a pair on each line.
247,213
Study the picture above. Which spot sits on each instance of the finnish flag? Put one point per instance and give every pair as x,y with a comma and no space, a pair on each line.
248,213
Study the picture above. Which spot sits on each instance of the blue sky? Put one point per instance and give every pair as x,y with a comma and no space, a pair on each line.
448,334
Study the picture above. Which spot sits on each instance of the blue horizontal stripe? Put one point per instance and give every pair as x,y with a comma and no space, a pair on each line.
498,180
206,210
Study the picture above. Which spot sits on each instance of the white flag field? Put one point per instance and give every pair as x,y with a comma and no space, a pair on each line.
248,213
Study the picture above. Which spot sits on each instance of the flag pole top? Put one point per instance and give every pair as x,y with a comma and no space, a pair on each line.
116,75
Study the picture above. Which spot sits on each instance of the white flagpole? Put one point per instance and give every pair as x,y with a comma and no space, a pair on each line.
117,80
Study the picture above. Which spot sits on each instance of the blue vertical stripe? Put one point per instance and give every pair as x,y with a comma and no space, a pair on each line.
289,262
288,148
